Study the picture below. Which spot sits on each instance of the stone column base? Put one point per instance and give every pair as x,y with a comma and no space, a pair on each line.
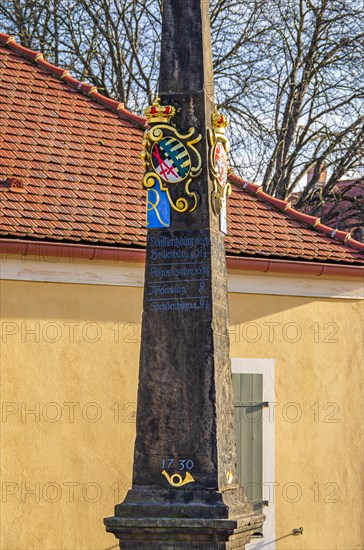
183,534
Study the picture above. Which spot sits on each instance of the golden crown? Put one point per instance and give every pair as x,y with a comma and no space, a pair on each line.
159,113
219,121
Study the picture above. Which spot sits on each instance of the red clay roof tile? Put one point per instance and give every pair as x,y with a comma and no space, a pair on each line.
78,154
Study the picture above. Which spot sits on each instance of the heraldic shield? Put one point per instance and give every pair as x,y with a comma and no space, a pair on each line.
172,162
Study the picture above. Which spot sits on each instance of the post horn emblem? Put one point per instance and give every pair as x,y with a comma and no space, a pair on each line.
176,479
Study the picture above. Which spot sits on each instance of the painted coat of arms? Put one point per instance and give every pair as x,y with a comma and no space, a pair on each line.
172,162
219,167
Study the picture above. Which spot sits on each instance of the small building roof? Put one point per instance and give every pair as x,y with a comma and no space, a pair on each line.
70,171
343,207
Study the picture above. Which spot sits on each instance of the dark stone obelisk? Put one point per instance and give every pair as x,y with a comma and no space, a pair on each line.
185,492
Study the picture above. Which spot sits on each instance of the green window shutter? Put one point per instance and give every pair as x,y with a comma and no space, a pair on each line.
248,396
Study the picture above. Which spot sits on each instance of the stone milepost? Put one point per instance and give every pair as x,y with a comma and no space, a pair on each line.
185,492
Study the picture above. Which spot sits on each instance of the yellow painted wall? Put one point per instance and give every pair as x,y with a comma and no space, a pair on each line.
65,465
82,460
318,412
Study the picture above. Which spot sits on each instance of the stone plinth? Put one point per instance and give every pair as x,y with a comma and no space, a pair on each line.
181,534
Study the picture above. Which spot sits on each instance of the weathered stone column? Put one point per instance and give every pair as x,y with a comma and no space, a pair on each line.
185,492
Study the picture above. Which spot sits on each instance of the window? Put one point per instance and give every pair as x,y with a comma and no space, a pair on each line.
253,382
248,397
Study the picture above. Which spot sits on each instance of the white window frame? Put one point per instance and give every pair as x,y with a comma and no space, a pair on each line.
265,367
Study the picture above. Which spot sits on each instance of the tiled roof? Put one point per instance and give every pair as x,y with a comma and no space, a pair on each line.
70,171
268,226
349,211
